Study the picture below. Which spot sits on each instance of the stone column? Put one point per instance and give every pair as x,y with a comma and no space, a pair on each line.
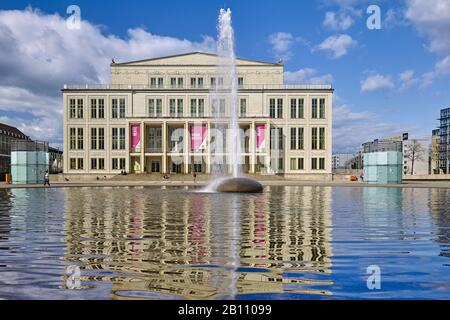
164,147
143,146
252,147
186,147
208,148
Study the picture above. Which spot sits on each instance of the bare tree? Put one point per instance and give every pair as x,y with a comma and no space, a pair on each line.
414,151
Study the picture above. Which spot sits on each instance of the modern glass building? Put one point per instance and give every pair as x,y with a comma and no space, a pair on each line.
29,161
383,162
444,146
7,135
162,115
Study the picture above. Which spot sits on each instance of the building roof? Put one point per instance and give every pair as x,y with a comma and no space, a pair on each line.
13,131
189,59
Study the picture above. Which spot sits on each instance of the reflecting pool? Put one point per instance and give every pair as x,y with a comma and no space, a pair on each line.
175,243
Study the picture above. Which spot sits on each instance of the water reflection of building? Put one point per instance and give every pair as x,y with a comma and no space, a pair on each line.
155,246
439,204
5,217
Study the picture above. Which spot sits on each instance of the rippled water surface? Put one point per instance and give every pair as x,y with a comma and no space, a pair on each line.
173,243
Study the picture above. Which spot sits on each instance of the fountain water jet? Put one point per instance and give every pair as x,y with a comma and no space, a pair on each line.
227,68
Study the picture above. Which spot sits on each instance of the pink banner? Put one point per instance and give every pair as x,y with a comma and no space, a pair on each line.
198,137
260,137
135,136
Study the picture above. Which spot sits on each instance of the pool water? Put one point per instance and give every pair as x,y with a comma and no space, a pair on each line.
176,243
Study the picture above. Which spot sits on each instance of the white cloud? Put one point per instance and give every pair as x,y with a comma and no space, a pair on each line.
337,45
338,21
433,21
282,43
307,76
351,129
376,82
407,79
39,54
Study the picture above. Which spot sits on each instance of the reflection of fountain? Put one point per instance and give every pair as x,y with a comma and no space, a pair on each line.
229,87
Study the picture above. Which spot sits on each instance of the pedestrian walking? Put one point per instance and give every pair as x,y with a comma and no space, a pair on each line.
195,177
46,179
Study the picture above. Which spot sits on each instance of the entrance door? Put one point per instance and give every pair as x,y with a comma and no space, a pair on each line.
156,166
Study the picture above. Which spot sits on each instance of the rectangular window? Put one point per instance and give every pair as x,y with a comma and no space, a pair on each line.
73,163
155,108
153,82
240,82
213,82
101,138
101,108
94,138
272,108
300,164
176,107
93,108
196,82
201,107
321,163
322,109
180,107
72,108
80,163
180,83
101,163
314,109
122,108
115,138
193,108
156,82
114,111
159,107
172,108
314,138
115,164
122,138
301,138
200,82
301,109
93,163
293,164
122,164
73,138
80,109
322,138
173,83
293,138
280,108
293,108
80,139
243,108
314,163
297,164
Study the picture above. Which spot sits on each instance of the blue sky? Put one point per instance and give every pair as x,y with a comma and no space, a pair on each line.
387,81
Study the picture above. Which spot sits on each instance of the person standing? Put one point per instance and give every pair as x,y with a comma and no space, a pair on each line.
46,179
195,177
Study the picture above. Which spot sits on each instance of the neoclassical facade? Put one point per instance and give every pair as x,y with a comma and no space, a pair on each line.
158,115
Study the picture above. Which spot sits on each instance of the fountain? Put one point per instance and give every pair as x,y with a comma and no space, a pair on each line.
227,68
